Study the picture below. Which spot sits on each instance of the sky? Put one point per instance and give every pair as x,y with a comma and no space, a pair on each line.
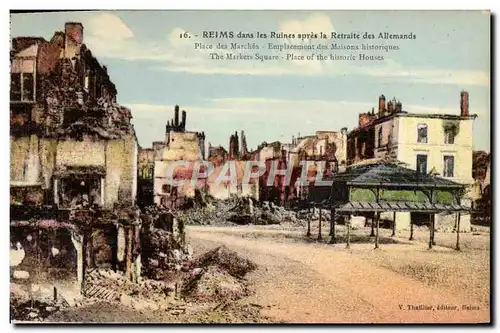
154,69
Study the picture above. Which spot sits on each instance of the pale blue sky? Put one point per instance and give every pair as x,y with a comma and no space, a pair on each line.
154,70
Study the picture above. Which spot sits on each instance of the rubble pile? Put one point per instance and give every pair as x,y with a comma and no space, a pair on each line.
218,275
162,253
28,307
243,211
32,310
115,287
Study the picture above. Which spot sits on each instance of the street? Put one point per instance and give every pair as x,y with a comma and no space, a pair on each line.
321,283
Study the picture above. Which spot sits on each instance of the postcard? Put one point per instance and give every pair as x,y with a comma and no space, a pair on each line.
189,166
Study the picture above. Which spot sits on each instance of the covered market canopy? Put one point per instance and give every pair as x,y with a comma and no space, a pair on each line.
389,187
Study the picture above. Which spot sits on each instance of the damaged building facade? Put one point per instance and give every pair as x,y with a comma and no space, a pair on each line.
73,159
429,143
328,147
179,145
173,180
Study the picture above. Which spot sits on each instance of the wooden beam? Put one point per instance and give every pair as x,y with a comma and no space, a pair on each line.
433,229
348,244
430,230
319,231
411,229
458,233
332,226
372,234
393,224
376,235
308,222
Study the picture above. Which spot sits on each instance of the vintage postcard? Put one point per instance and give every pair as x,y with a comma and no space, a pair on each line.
174,166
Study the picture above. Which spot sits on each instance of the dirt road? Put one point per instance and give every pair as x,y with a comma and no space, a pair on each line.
320,283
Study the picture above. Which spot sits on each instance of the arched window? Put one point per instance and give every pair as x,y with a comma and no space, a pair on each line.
422,133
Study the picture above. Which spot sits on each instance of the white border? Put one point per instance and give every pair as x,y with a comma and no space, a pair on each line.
191,4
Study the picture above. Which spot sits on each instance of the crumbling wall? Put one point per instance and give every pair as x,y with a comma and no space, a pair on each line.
25,160
48,159
183,146
42,254
121,174
78,153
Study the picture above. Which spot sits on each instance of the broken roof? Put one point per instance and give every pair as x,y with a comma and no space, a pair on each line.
389,174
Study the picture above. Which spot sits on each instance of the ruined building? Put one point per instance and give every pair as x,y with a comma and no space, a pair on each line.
179,145
73,158
326,146
234,147
145,178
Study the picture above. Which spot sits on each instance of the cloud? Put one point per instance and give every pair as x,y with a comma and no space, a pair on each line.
109,36
109,26
430,75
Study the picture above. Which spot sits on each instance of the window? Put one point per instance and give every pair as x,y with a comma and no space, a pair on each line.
22,87
449,136
449,164
380,137
15,86
166,188
422,133
28,87
22,80
422,163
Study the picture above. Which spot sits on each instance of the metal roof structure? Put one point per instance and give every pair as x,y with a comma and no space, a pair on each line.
400,206
386,174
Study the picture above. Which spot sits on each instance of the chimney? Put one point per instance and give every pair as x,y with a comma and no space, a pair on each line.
244,149
73,32
176,116
399,107
390,107
464,103
105,68
381,105
183,124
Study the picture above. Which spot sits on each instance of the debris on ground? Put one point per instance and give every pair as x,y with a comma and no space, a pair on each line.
226,259
244,211
217,275
162,253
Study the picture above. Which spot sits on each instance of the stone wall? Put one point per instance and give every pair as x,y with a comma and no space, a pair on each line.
33,160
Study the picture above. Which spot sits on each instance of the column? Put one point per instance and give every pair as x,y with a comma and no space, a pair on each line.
319,231
77,240
102,191
128,260
376,235
458,233
372,234
431,227
56,194
308,222
393,224
411,229
332,226
348,244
